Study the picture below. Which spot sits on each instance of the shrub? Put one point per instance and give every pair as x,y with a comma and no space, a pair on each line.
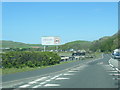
20,59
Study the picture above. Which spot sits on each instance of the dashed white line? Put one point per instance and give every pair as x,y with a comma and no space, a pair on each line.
24,86
49,85
116,78
112,71
115,74
40,79
35,81
32,82
72,71
43,83
61,78
36,86
48,80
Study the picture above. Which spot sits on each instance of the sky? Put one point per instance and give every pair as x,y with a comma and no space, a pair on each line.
27,22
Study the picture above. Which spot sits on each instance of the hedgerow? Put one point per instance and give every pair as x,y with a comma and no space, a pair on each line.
20,59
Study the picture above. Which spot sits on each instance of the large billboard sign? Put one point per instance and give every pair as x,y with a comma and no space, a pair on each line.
50,40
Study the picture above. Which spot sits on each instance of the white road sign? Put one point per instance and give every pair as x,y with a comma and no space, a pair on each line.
50,40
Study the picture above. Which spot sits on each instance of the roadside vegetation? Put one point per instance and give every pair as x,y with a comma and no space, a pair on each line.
18,67
21,59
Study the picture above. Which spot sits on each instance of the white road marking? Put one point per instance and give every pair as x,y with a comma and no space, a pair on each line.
36,86
49,85
53,77
48,80
40,79
112,71
116,78
61,78
117,69
56,76
72,71
115,74
32,82
24,86
43,82
68,74
35,81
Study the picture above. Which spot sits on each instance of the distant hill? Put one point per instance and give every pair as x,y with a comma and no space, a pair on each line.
12,44
71,45
107,43
76,45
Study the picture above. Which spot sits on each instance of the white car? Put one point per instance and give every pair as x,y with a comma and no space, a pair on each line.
64,57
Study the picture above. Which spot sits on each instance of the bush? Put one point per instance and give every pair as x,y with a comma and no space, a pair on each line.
20,59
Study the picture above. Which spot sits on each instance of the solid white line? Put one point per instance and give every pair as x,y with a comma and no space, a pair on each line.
49,85
36,86
23,86
61,78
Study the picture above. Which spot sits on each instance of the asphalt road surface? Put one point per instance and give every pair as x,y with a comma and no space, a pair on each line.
94,73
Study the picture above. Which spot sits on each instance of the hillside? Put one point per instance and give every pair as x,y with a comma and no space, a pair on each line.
76,45
11,44
108,43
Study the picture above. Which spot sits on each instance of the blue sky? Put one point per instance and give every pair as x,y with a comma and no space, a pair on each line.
27,22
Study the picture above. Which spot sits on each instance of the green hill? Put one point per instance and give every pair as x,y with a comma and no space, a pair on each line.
107,43
76,45
11,44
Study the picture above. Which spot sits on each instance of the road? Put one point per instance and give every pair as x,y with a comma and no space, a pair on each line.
94,73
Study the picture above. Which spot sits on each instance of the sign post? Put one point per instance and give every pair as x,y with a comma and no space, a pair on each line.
44,48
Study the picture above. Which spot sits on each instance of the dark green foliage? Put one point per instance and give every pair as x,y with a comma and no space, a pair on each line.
20,59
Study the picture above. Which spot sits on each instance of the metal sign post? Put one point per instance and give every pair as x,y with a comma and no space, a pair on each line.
44,48
56,48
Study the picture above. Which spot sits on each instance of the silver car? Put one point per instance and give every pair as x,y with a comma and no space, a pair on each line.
116,55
